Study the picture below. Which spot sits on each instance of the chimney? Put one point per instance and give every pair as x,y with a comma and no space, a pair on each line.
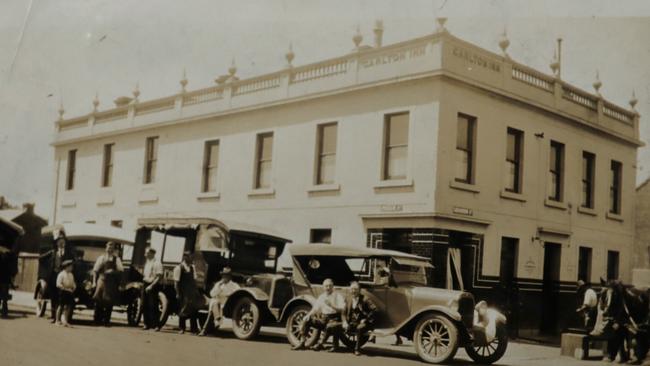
379,32
29,208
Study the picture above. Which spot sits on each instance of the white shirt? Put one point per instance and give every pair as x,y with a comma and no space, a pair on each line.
65,281
221,290
152,268
591,298
329,304
104,258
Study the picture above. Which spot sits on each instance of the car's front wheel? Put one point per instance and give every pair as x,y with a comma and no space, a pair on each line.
164,308
134,310
294,324
435,338
489,353
246,318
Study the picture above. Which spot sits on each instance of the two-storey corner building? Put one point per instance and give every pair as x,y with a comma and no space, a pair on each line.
515,183
641,262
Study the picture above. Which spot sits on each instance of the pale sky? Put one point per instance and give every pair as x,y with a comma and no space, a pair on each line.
72,49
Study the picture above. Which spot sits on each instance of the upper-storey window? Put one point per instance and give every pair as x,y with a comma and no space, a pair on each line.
151,160
588,174
615,187
264,160
72,169
326,155
556,171
107,166
396,143
465,147
514,161
210,165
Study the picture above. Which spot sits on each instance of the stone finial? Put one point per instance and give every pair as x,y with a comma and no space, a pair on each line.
232,69
441,24
96,102
290,55
555,64
183,81
633,101
597,83
61,110
357,38
379,32
504,42
136,91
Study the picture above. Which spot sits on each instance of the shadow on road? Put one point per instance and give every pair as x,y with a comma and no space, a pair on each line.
16,314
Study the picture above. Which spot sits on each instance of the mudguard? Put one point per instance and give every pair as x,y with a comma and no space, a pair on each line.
298,299
254,292
133,285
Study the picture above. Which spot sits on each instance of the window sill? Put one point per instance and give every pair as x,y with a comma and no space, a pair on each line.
324,188
464,186
555,204
208,196
587,211
614,216
512,196
396,183
262,192
148,195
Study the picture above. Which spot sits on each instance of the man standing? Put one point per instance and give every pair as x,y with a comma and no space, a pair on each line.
106,279
188,296
359,315
151,275
58,255
325,314
219,294
589,307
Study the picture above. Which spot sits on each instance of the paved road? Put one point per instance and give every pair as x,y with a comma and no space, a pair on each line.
26,340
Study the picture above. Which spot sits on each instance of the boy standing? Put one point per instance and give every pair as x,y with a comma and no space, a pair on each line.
66,285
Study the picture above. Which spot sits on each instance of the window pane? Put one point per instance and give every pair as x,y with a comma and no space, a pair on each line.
266,147
328,136
510,176
109,176
462,165
152,172
511,150
174,246
462,133
552,186
397,159
553,158
327,169
398,130
213,156
264,179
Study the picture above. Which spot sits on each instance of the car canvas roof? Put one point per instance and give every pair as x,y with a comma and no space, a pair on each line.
11,226
347,251
183,222
84,231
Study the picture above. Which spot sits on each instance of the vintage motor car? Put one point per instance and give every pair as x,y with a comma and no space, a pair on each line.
87,242
250,251
438,321
10,232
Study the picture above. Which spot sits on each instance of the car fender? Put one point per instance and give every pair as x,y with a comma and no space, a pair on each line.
41,285
134,286
305,299
253,292
451,314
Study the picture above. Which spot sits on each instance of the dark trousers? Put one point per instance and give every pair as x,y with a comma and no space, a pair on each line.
616,343
54,300
194,322
359,328
66,305
103,313
150,311
329,324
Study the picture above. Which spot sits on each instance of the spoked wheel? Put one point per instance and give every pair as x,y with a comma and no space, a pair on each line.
246,320
435,339
134,311
163,308
489,353
41,302
294,322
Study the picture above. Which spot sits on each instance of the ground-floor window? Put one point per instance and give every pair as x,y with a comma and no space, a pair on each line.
584,264
612,264
320,236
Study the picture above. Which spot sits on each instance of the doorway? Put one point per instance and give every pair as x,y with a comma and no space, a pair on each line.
551,288
507,296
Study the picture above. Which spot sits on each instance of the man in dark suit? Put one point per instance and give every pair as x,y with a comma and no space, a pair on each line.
57,255
358,316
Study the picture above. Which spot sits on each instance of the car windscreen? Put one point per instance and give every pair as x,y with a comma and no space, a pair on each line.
411,273
253,254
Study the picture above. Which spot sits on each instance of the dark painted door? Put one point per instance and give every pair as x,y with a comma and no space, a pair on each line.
550,288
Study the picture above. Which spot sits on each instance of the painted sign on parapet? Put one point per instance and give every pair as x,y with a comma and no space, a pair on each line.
397,56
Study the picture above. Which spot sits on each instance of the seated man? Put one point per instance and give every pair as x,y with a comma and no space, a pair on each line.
219,295
325,314
359,315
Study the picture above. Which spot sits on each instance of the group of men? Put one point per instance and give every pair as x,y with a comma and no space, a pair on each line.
334,316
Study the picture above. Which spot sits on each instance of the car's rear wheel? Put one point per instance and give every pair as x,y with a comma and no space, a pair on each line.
246,318
435,339
294,322
41,301
134,310
163,308
486,354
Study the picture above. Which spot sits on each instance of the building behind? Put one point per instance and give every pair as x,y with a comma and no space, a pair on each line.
513,182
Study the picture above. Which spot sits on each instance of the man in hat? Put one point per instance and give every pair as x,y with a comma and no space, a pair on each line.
151,276
106,281
359,315
589,307
219,294
57,256
66,285
188,296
